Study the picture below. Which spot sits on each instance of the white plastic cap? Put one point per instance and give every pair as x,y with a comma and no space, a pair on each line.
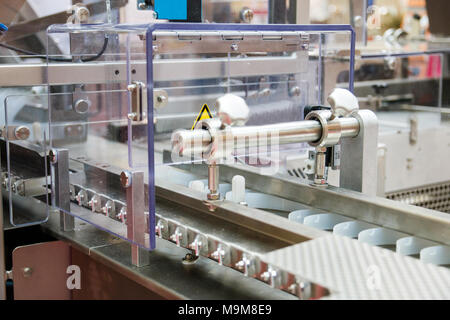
197,185
238,189
232,110
342,102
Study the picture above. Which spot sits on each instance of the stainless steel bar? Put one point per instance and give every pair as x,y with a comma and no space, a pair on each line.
136,221
187,143
213,181
61,189
105,72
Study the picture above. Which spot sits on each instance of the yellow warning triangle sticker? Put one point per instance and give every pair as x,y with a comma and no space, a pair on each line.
205,113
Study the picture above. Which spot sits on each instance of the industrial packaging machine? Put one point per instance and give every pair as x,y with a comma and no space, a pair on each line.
113,157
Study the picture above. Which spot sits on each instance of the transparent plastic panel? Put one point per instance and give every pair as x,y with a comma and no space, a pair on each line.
99,115
274,71
25,167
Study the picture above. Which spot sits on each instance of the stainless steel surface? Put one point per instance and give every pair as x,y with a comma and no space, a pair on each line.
60,187
355,270
213,181
435,196
166,274
187,143
136,222
421,222
19,75
358,170
186,42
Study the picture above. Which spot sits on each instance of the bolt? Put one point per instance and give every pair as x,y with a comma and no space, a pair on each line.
93,202
269,276
108,209
177,236
81,197
213,182
358,21
18,187
143,6
132,116
293,288
5,182
240,265
82,14
295,91
81,106
189,258
219,254
247,15
159,229
234,47
22,133
122,215
196,245
131,87
125,179
161,99
27,272
265,92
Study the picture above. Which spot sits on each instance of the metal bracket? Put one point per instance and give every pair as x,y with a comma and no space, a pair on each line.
138,101
359,156
136,219
59,160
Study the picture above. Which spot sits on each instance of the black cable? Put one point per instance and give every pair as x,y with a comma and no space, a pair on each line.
40,56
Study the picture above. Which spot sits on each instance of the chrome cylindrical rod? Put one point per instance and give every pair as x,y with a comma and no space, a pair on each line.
189,142
213,181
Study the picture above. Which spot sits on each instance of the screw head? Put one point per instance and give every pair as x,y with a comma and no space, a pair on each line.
132,116
125,179
81,106
234,47
295,91
247,15
22,133
27,272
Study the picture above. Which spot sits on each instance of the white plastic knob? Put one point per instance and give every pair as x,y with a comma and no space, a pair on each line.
342,102
232,110
238,189
197,185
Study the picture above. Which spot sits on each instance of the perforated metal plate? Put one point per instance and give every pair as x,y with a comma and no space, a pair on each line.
435,197
355,270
